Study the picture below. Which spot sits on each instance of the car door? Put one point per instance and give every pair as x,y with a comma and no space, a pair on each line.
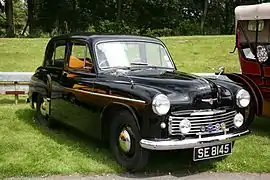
55,59
77,82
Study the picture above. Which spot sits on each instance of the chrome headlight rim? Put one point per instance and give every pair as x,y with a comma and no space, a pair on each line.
161,104
242,98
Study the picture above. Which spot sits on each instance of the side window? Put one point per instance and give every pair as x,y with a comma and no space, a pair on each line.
80,57
248,54
57,53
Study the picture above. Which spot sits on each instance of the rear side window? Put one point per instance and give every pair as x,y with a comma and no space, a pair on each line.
59,52
56,54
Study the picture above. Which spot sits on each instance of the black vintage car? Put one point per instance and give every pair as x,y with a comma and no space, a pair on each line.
126,90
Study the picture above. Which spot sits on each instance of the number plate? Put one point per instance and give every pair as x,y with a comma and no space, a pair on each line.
209,152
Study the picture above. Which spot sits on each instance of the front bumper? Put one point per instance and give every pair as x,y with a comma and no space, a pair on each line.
173,144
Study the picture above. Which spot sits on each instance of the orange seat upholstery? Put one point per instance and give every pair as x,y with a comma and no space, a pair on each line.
75,62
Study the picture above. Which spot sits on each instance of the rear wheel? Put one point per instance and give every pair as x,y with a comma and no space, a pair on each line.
42,112
124,142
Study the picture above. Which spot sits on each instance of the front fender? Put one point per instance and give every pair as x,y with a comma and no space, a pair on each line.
251,86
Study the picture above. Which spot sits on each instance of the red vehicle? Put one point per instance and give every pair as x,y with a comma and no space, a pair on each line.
253,44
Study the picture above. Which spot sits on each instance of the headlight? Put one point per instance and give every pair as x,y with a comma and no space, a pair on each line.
242,98
161,104
185,126
238,120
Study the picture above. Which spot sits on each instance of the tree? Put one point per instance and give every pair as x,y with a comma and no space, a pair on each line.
118,16
9,17
204,16
2,10
2,7
30,14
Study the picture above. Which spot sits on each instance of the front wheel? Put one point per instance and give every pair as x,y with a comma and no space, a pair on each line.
124,142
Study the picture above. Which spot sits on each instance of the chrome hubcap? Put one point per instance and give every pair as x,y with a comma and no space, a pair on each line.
124,141
44,108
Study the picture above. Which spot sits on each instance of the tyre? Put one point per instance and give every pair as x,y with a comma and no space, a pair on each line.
124,142
42,112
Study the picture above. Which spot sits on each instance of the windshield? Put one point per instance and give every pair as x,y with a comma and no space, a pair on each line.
129,54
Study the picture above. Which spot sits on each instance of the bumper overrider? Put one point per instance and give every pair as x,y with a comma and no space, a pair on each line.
173,144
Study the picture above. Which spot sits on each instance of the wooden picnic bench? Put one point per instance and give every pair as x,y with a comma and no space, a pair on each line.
14,83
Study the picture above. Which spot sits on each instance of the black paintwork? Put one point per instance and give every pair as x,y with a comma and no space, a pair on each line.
87,109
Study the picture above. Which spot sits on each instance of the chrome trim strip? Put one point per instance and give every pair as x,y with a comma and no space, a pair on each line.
196,131
205,113
173,144
106,95
188,112
193,124
200,118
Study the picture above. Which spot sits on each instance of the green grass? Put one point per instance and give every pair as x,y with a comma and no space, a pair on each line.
191,54
30,150
203,53
21,54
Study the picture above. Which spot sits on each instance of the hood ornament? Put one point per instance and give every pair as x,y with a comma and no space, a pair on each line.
221,71
210,100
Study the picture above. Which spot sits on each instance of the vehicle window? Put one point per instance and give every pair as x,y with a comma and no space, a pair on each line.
126,54
56,54
59,52
80,56
263,53
252,25
248,54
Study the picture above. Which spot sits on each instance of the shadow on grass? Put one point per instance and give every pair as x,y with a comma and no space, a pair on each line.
69,137
178,163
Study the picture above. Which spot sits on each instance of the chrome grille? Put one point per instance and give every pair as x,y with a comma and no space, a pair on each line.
199,119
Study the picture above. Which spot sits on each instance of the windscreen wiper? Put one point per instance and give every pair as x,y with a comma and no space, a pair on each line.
116,67
139,63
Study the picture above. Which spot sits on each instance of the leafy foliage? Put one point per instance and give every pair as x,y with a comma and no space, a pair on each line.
147,17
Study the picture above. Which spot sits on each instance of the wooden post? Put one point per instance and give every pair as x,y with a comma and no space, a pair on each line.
16,98
16,95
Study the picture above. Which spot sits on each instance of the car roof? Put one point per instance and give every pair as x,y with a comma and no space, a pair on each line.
253,12
96,37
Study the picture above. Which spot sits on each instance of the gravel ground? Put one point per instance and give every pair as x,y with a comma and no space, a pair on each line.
201,176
